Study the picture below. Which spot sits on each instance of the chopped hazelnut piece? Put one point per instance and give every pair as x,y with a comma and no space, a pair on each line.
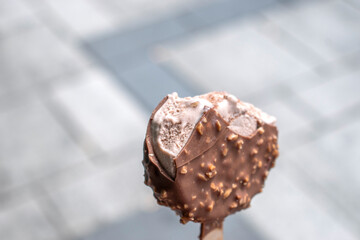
232,137
213,186
275,153
163,194
202,177
261,130
260,141
239,144
200,129
254,152
211,167
225,151
194,104
233,205
184,220
211,174
227,193
218,125
210,207
183,170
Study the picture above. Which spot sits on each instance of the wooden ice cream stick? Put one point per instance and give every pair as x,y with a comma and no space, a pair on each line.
211,230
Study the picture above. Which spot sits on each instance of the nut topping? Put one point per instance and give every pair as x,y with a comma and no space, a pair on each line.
232,137
227,193
183,170
200,128
218,125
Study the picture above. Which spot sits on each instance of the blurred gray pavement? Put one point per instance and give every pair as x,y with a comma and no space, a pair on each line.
79,78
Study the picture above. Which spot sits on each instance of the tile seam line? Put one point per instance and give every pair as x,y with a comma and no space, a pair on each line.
334,202
45,203
104,59
117,79
49,25
298,42
347,112
67,125
57,32
195,89
58,172
221,23
294,96
16,32
40,83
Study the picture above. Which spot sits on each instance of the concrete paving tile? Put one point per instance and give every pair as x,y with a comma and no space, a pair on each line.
332,96
37,4
222,11
43,57
99,164
132,13
287,91
239,59
25,221
156,7
123,62
52,20
288,120
354,3
12,10
14,17
269,94
289,43
163,224
283,211
70,175
84,18
32,145
10,100
305,81
342,165
295,139
329,174
105,197
329,28
339,67
139,37
13,197
322,74
104,111
151,90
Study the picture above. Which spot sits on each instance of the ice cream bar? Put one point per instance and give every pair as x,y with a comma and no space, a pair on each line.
206,156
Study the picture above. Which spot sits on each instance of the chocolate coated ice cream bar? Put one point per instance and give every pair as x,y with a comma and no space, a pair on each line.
206,156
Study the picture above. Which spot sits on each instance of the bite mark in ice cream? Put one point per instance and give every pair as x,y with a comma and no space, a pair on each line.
174,122
172,125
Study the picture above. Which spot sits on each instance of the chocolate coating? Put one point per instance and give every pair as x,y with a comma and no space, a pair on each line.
217,172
